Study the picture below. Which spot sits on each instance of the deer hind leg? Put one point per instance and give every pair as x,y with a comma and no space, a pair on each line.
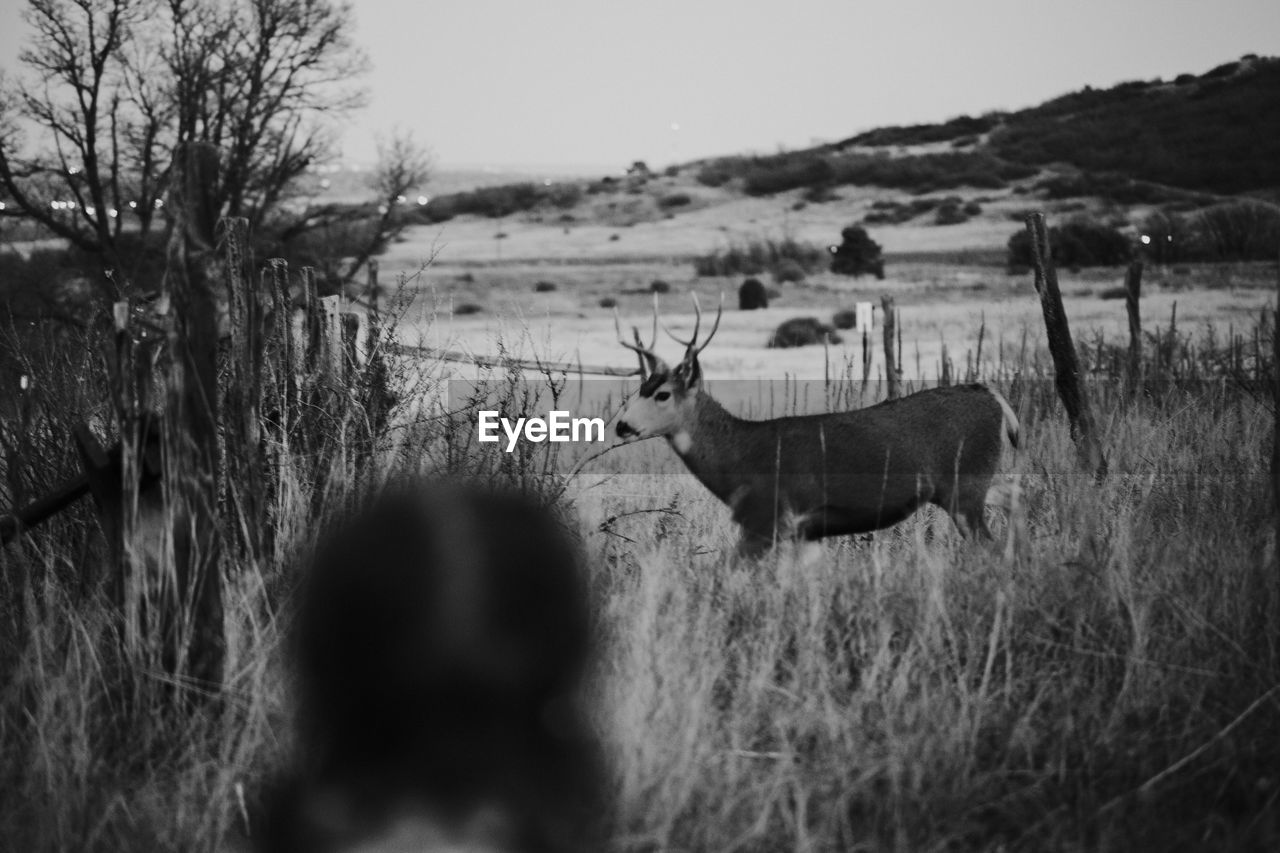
1008,496
967,509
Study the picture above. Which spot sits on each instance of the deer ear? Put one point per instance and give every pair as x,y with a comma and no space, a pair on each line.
689,373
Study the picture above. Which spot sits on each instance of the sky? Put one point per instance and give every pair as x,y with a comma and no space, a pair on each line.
601,83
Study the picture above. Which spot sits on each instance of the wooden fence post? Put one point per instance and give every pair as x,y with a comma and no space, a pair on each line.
281,350
1275,438
1132,288
331,338
350,345
193,601
892,371
242,437
1065,367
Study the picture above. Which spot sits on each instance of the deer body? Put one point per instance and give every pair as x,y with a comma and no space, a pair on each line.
813,476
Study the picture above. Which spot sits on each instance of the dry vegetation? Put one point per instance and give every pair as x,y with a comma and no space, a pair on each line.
1114,687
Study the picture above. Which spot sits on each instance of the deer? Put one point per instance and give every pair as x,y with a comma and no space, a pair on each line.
807,477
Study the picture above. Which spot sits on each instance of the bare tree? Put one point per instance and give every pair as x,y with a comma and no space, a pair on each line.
402,165
112,87
78,99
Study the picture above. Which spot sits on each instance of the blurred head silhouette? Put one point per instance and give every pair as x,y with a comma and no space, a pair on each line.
440,639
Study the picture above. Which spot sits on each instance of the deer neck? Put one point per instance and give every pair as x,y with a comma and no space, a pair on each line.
710,445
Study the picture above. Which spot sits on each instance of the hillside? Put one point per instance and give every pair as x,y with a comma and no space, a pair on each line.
1217,132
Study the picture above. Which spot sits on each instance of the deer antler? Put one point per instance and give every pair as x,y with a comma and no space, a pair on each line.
691,346
649,360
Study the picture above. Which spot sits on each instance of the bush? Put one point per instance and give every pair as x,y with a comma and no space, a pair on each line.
845,318
819,194
759,256
1108,186
675,200
800,332
788,270
466,308
771,175
950,212
751,295
608,302
959,128
715,174
659,286
896,212
544,287
1240,231
1075,244
1114,293
857,254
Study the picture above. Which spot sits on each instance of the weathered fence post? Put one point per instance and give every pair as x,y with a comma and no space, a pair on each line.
331,338
892,371
1275,438
1065,367
192,596
350,345
245,460
1132,288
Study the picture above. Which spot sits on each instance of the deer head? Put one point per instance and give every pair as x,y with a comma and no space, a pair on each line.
664,403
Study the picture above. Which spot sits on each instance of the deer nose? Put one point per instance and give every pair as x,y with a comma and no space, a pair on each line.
624,430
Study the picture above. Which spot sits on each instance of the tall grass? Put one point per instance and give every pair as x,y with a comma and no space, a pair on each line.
1113,687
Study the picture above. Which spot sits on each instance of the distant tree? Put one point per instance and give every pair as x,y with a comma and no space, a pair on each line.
857,254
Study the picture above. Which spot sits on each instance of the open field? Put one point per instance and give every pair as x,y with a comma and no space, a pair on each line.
1113,686
938,304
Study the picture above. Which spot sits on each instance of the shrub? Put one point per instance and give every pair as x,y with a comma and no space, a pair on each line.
756,257
819,194
857,254
961,127
1075,244
608,302
895,212
674,200
846,318
613,238
659,286
714,174
466,308
1240,231
563,195
786,172
751,295
1114,293
544,287
802,331
1227,69
950,213
788,270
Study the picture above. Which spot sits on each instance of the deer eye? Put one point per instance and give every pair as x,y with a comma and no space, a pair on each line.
662,396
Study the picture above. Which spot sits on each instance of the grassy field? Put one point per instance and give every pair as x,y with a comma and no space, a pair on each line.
1115,686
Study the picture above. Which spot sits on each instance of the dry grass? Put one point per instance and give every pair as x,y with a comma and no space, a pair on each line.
1114,687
